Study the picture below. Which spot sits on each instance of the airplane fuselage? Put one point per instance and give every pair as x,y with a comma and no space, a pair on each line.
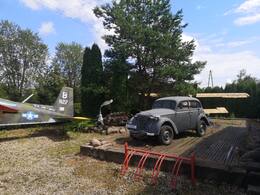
16,113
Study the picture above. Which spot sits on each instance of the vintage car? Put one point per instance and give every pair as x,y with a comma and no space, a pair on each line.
169,116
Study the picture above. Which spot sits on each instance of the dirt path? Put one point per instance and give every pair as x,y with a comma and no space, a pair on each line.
43,162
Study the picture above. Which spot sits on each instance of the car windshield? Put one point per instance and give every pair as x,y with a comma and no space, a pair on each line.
170,104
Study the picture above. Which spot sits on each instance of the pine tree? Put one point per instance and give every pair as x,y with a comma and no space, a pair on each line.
117,71
151,35
85,79
96,63
92,82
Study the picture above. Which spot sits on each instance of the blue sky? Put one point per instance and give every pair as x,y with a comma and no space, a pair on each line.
226,32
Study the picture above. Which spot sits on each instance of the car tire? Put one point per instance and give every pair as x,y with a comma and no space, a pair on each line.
202,127
166,135
133,137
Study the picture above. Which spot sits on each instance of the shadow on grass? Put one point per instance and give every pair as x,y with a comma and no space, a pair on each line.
55,133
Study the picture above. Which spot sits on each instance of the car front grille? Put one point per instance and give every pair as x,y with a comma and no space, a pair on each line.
142,122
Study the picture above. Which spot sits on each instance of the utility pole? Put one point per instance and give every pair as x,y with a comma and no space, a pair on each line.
210,80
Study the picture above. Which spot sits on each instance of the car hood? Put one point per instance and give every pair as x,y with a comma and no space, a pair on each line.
156,112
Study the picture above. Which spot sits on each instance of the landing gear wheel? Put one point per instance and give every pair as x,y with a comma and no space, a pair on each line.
202,127
166,135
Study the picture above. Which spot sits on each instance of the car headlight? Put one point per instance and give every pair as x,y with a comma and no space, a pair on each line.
131,120
155,118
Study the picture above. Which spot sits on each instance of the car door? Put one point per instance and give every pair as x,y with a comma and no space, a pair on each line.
182,117
194,113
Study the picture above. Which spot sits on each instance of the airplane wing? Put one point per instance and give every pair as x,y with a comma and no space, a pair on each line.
4,108
81,118
71,118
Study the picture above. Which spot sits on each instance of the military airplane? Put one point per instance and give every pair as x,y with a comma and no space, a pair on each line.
19,114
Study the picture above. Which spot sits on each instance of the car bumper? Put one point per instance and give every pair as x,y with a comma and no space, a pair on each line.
210,121
136,132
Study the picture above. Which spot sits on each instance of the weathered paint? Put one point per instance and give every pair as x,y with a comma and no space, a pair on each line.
15,113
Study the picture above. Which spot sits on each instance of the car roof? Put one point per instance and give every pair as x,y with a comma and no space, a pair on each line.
178,98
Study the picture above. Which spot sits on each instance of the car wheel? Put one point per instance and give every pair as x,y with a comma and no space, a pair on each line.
166,135
133,136
202,127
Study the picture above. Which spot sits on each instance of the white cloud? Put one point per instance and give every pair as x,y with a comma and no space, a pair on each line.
199,47
249,6
229,81
46,28
227,65
238,43
250,10
251,19
185,37
217,43
233,44
224,65
229,12
31,4
76,9
199,7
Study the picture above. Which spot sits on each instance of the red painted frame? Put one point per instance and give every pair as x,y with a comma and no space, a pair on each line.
130,152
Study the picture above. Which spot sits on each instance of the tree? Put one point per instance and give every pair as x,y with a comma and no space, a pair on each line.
22,58
92,81
96,64
49,86
258,99
67,62
244,107
85,79
247,108
3,92
116,70
149,35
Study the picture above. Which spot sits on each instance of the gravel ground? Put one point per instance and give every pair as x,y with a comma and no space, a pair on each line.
44,162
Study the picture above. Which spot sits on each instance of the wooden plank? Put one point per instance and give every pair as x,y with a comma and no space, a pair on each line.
218,110
222,95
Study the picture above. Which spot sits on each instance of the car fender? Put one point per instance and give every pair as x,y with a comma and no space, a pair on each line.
165,121
203,117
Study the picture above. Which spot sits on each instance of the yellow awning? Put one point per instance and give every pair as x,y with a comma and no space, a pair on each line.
218,110
222,95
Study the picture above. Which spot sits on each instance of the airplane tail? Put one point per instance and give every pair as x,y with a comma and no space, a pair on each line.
64,103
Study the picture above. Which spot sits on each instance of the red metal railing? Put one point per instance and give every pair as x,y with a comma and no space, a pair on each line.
144,154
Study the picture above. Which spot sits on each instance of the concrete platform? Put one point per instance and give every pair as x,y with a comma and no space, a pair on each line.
217,153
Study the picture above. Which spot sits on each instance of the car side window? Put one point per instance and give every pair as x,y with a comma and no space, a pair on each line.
195,104
184,105
164,104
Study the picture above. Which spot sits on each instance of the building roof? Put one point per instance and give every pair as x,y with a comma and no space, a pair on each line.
222,95
218,110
